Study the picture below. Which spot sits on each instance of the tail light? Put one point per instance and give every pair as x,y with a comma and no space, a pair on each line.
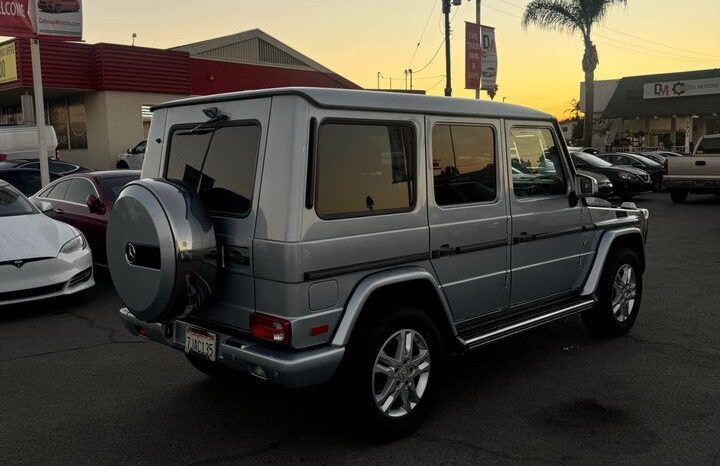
664,166
270,328
3,157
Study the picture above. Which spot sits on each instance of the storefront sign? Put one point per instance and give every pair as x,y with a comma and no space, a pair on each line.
59,18
489,59
682,88
15,18
473,51
8,64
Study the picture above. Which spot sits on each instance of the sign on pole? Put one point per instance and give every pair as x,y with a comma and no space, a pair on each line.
16,18
8,64
473,51
60,18
489,59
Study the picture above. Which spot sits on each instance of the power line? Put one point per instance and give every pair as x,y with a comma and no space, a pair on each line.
457,9
422,34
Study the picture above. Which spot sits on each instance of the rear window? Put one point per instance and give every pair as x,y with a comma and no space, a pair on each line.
708,146
364,169
13,203
113,186
217,162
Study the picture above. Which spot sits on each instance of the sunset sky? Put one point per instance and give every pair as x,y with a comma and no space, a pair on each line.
357,39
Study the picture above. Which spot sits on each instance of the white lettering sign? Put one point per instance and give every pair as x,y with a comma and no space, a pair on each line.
682,88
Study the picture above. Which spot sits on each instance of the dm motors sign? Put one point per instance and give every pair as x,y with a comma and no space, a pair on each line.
682,88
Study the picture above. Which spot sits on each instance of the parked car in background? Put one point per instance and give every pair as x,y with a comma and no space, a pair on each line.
627,181
25,180
696,174
84,200
663,153
133,157
605,186
651,167
652,156
587,150
21,142
39,257
57,167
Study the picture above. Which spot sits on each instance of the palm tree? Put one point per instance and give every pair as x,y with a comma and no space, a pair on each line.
573,16
574,109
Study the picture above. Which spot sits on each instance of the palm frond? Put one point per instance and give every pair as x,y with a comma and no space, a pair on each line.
595,11
555,15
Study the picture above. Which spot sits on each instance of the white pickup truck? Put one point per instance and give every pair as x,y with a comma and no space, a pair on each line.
697,174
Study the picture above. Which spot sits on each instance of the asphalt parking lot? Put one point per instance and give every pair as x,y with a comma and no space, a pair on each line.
75,388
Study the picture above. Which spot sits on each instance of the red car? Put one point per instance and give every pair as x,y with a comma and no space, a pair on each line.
84,201
59,6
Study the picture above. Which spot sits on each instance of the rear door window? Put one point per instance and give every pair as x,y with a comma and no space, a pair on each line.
464,167
364,168
217,162
78,191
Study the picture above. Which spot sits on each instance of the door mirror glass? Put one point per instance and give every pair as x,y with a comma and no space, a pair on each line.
585,186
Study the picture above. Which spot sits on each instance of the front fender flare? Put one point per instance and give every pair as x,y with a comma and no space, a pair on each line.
376,281
606,242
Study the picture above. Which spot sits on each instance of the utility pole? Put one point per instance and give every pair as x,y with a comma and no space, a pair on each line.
448,77
477,20
410,71
378,76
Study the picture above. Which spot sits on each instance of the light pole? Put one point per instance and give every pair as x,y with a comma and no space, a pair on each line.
378,76
477,20
446,11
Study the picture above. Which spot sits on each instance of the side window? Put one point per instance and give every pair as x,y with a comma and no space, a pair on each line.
464,164
78,191
58,191
364,169
536,163
219,163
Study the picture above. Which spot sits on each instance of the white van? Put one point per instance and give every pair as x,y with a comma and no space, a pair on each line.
21,142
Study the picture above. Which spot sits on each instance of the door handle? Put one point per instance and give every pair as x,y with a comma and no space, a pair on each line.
443,251
58,211
522,238
700,163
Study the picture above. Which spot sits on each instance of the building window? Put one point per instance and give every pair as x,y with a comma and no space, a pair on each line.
68,118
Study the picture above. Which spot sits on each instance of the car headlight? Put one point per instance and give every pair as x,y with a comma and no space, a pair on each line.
74,245
626,176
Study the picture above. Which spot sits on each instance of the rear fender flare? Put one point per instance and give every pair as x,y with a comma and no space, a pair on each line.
368,285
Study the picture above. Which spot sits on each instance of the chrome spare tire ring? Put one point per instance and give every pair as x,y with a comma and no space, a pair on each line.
401,373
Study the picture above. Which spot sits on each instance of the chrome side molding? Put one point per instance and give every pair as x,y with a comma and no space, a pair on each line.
527,324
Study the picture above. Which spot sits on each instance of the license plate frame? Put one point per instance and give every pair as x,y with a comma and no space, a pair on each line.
201,343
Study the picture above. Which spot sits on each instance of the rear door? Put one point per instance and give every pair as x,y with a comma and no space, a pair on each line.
77,213
546,227
468,214
221,161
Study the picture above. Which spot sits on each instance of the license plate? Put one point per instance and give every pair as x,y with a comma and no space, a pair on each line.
201,343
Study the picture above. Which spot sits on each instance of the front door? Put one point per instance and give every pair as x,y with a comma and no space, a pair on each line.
546,226
469,231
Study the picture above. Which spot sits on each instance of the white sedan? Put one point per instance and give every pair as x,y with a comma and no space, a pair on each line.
39,257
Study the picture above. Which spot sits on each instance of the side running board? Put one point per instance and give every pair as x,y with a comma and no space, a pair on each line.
490,335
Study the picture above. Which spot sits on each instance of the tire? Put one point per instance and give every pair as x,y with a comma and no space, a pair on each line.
606,320
363,382
122,165
678,196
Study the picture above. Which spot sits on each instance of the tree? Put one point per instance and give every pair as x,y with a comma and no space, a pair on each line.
574,16
573,111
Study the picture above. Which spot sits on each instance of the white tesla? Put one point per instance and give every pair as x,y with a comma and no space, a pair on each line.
39,257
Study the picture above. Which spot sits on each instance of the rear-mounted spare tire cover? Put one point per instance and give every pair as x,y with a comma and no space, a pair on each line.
161,249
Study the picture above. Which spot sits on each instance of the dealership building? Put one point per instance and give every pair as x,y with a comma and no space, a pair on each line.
98,96
671,110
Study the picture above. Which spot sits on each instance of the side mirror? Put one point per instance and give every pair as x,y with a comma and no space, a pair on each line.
43,206
130,150
585,186
94,204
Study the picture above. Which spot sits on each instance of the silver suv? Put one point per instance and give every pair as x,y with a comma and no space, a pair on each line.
301,235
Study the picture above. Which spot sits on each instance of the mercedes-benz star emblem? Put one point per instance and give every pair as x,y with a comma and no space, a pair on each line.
18,263
130,253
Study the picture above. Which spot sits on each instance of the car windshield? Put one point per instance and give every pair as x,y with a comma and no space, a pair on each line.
592,160
13,203
115,184
708,146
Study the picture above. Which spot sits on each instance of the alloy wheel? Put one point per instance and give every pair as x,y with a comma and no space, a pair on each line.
624,292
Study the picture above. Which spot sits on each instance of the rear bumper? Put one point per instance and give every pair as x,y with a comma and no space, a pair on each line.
694,185
291,369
